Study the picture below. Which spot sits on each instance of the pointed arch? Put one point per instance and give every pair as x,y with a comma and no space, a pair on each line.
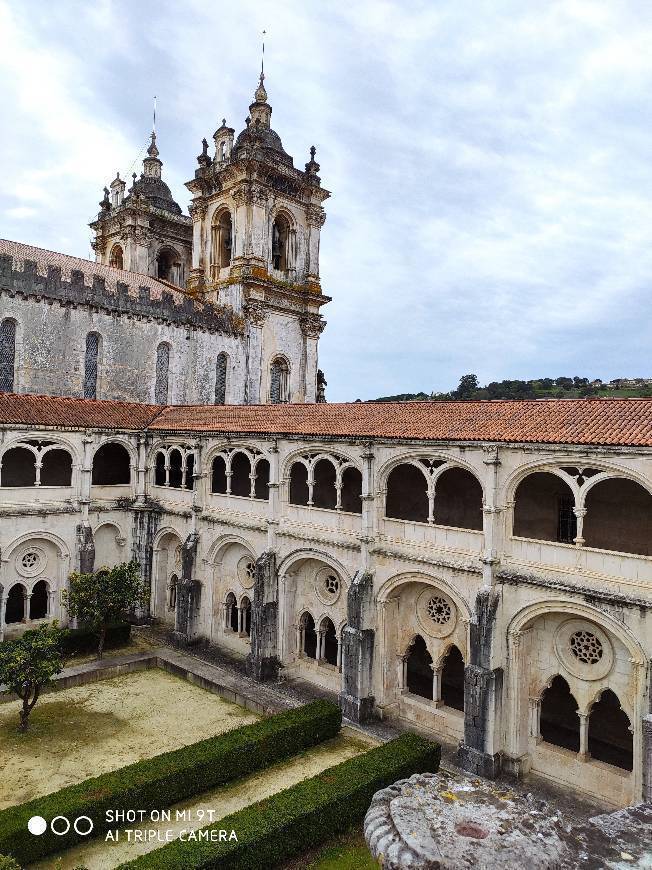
7,355
91,365
221,376
162,383
279,381
559,723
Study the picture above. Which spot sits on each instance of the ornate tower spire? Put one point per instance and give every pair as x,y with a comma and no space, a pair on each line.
151,164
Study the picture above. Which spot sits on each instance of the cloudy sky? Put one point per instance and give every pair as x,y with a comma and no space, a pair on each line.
490,162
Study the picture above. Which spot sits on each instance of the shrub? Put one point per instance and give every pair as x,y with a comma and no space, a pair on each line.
85,640
158,782
302,817
7,863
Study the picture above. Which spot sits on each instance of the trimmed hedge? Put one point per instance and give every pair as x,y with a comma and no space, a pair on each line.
158,782
83,640
299,818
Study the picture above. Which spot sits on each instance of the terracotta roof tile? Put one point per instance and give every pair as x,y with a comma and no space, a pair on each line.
626,422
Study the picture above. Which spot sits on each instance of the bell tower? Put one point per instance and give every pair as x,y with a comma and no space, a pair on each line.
256,223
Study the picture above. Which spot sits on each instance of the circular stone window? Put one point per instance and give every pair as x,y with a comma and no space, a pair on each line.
247,572
31,562
328,585
584,649
436,613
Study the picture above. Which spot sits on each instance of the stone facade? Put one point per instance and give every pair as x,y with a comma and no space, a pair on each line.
174,294
451,623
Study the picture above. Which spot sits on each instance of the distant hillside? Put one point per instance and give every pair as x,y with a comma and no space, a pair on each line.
540,388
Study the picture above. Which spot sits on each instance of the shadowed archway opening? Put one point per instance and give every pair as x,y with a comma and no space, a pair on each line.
407,494
309,636
329,648
543,509
38,602
619,517
559,723
452,679
15,606
610,737
419,669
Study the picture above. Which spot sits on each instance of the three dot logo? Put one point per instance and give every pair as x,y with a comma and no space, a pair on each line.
60,825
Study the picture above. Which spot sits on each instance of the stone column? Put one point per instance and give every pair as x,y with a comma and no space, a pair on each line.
436,686
141,470
3,604
356,698
479,751
85,548
580,513
584,736
491,515
534,717
274,502
263,662
368,520
646,754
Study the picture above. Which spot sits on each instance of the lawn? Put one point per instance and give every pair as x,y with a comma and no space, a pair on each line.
81,732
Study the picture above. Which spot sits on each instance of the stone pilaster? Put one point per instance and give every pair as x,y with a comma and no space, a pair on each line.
187,590
356,698
145,524
86,548
263,661
647,758
479,752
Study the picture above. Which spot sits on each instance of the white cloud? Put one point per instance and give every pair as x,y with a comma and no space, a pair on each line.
489,163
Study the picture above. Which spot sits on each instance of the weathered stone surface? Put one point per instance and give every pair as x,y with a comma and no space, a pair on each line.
448,821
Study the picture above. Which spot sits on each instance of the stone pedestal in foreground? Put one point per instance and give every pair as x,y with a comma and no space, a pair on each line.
441,821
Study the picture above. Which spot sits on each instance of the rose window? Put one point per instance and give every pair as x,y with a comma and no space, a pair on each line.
30,560
439,610
332,584
250,571
586,647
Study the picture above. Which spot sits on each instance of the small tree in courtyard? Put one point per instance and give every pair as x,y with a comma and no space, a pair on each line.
29,663
103,597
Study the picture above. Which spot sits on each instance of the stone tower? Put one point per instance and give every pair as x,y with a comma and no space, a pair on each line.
256,222
145,230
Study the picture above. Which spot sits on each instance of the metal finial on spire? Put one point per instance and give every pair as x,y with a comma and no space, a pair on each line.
154,117
262,59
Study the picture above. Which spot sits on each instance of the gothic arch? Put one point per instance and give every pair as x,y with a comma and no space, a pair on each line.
445,463
223,542
59,543
9,348
291,559
398,580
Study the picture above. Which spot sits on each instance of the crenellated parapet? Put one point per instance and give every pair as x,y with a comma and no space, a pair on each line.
70,281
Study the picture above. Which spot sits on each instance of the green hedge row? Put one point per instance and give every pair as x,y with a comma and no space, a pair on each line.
299,818
158,782
83,640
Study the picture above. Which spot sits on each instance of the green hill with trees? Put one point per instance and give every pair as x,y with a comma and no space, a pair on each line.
540,388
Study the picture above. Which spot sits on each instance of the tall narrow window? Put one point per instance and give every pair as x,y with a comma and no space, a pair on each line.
116,258
221,243
90,365
162,374
280,241
279,384
220,379
7,355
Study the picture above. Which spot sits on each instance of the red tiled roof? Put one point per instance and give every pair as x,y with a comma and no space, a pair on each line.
626,422
44,258
74,413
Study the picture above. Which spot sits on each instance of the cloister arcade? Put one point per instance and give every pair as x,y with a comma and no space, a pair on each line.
430,528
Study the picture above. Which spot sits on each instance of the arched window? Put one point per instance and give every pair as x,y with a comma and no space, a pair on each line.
407,494
7,355
324,491
619,517
419,669
245,616
162,374
610,734
279,382
176,469
15,605
56,468
159,469
221,245
189,481
221,367
452,679
91,365
240,475
168,266
116,258
543,509
231,613
280,243
39,600
18,467
299,484
111,465
172,592
458,500
351,496
262,480
309,636
218,477
328,640
559,723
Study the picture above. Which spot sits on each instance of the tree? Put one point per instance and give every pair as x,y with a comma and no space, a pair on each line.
102,598
29,663
468,385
